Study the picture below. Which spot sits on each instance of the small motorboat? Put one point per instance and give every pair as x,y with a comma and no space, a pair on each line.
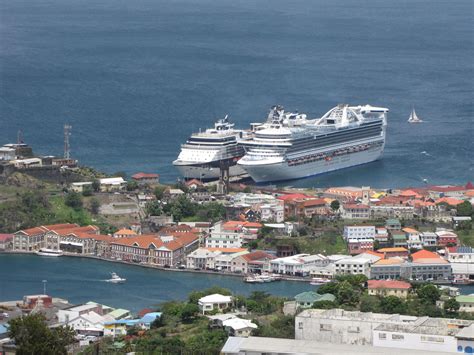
316,281
49,252
115,279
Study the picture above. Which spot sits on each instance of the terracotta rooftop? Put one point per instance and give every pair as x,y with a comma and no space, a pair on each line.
390,261
392,250
292,196
139,176
392,284
125,231
424,254
257,255
449,200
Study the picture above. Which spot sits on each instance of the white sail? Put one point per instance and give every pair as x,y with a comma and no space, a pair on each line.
414,118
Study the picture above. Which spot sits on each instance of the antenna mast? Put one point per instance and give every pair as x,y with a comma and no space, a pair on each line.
19,137
67,134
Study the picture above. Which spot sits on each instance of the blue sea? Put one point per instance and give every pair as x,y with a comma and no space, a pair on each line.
135,78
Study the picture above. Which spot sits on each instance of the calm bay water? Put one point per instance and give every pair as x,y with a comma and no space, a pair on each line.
82,280
134,78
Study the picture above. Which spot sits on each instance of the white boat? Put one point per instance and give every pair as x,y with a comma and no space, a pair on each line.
49,252
203,152
116,279
316,281
414,118
291,146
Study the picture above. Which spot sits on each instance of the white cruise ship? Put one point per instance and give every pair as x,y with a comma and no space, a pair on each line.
202,153
290,146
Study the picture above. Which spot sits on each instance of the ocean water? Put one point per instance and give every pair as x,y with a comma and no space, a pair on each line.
135,78
81,280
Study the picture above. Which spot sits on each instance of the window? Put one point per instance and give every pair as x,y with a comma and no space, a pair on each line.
325,327
382,336
353,329
431,339
300,325
397,337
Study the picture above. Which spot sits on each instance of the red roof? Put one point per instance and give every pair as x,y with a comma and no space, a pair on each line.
394,284
194,182
139,176
449,200
356,206
314,202
5,237
291,197
257,255
371,252
424,254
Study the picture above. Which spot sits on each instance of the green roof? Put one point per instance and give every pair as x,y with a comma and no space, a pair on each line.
392,221
399,236
465,298
311,297
119,312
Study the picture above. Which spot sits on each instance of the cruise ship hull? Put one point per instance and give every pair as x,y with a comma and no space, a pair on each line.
206,173
283,171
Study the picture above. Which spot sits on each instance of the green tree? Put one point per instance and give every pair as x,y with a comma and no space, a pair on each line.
73,200
87,190
96,185
428,293
95,206
392,304
153,208
335,204
324,305
189,312
346,294
451,306
247,190
32,336
159,191
132,185
369,304
464,209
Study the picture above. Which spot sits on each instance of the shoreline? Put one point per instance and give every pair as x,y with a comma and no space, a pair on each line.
161,268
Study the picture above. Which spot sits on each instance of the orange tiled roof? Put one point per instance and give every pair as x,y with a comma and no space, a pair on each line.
392,250
125,231
449,200
139,176
289,197
424,254
389,261
371,252
257,255
409,230
394,284
409,193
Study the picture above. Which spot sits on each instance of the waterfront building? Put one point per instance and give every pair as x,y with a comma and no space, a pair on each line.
159,250
359,264
6,241
202,258
33,239
255,262
387,269
112,184
359,232
426,266
214,302
86,243
385,288
348,193
226,235
448,191
298,265
224,261
146,178
460,254
355,211
7,154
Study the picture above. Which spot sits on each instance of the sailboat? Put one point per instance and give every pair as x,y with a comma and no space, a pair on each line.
414,118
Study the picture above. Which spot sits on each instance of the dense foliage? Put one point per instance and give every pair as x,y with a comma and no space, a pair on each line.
33,336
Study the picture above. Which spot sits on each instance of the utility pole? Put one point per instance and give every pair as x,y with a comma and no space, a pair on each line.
19,137
44,286
67,134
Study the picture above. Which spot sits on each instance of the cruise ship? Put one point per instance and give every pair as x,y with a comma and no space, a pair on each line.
201,155
291,146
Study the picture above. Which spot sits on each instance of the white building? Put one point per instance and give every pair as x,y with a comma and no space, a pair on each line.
7,154
359,264
214,302
112,184
79,186
359,232
428,239
427,334
272,212
239,327
202,258
299,264
220,238
413,238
